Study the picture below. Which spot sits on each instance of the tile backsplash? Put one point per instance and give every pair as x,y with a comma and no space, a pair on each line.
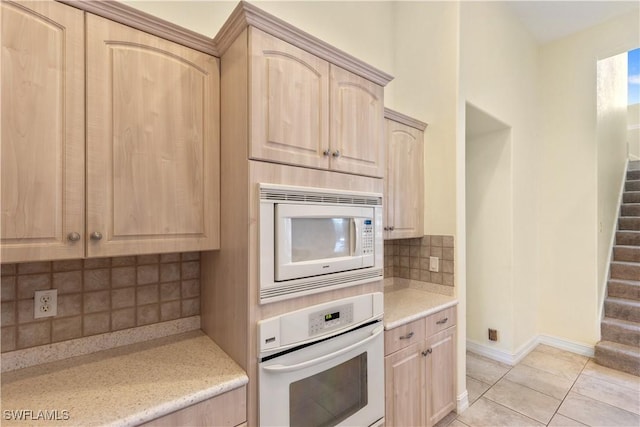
97,295
409,259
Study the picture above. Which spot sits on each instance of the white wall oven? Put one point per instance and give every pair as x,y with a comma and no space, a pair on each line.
314,239
323,365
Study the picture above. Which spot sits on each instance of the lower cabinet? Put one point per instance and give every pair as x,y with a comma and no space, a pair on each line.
227,409
420,370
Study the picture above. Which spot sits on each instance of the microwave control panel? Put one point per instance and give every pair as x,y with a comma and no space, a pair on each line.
327,320
367,237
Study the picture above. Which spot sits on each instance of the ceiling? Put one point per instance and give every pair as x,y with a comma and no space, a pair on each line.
549,20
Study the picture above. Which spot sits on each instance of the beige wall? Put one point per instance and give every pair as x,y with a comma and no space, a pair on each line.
498,75
204,17
633,121
612,155
568,178
425,87
489,223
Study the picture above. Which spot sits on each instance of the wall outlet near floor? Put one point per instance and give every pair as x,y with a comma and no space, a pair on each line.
434,264
493,335
45,303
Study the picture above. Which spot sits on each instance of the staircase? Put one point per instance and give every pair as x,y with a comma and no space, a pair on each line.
620,328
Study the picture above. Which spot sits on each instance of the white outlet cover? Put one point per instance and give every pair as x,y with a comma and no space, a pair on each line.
45,303
434,264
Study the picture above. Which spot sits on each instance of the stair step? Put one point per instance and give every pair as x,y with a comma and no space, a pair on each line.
622,357
634,165
620,331
629,223
631,197
628,238
624,309
625,270
625,289
633,175
630,209
632,185
626,253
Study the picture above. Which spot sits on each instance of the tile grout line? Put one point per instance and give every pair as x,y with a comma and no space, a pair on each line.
567,394
514,410
485,392
605,379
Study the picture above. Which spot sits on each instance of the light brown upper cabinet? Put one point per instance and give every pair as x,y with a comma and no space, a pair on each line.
42,161
150,181
404,177
308,112
152,143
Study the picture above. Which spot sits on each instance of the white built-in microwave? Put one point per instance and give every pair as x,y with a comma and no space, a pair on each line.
316,239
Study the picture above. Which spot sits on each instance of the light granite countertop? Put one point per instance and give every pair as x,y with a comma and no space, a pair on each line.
405,305
123,386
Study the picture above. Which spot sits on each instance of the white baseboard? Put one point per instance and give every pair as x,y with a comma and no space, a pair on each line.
512,359
571,346
462,402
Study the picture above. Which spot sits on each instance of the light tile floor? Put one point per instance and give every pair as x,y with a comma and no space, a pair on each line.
548,387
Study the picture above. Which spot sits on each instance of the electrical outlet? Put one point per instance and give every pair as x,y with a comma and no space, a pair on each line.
493,334
45,303
434,264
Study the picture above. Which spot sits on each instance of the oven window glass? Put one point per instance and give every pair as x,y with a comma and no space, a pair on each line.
331,396
319,238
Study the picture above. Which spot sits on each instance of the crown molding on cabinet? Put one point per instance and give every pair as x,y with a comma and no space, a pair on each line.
246,14
405,120
127,15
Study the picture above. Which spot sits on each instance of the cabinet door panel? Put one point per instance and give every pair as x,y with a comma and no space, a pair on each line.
152,143
441,374
42,160
289,103
357,124
404,181
404,387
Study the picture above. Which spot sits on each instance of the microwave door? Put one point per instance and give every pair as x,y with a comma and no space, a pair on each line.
316,240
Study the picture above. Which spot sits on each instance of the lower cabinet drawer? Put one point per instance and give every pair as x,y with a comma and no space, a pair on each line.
403,336
440,321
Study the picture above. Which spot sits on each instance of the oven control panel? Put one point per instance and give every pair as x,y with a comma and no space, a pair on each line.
332,318
316,322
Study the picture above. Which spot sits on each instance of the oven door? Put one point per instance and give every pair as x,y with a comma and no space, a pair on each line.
334,382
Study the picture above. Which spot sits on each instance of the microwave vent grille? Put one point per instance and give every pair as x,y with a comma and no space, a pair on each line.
319,284
285,195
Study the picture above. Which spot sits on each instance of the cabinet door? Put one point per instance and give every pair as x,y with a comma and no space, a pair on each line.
405,182
289,103
152,143
404,387
42,161
356,124
441,375
227,409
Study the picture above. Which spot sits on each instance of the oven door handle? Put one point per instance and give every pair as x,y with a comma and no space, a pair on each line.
289,368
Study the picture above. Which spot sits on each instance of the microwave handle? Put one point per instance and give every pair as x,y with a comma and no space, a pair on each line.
289,368
355,235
